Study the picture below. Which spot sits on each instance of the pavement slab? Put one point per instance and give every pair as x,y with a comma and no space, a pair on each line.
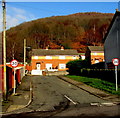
20,99
14,107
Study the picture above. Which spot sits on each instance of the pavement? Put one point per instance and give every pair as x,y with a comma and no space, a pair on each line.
23,96
21,99
97,92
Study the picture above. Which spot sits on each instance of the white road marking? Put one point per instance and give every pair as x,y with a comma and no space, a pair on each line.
95,104
108,104
70,99
103,104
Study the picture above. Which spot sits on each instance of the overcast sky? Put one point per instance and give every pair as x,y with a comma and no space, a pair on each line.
19,11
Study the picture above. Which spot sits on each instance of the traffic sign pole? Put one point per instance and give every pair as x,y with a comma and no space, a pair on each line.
116,62
14,83
116,78
14,63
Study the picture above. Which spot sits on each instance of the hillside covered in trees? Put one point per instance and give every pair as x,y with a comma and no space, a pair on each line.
72,31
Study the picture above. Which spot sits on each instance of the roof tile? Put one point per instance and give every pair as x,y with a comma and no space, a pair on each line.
44,52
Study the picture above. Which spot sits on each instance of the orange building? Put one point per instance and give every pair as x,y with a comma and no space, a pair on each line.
51,59
95,54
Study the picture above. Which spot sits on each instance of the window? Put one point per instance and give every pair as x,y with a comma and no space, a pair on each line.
49,66
83,57
48,57
61,57
95,53
74,57
96,61
35,57
62,66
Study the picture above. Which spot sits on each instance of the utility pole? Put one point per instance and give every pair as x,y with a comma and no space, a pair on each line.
4,47
24,55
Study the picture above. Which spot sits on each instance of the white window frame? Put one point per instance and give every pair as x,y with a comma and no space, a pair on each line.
96,61
95,53
61,57
48,57
35,57
74,57
62,66
83,57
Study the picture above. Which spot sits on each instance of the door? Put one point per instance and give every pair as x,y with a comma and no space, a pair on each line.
38,66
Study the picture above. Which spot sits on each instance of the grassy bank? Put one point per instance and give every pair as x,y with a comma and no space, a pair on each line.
97,83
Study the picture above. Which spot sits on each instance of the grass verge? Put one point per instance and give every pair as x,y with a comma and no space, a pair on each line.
97,83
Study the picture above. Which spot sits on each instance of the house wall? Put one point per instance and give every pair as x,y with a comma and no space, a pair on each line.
94,57
97,56
112,43
54,60
28,67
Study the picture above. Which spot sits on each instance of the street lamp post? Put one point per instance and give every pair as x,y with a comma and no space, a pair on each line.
25,48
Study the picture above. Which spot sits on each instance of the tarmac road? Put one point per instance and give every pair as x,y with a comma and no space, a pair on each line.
50,94
50,91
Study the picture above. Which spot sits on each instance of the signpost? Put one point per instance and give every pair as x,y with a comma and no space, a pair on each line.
14,63
116,62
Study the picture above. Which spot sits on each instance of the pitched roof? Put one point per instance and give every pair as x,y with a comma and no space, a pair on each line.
96,48
44,52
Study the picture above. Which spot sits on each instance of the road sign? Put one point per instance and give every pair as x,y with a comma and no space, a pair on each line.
115,61
14,63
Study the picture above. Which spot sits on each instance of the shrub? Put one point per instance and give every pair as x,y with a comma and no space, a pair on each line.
104,74
76,66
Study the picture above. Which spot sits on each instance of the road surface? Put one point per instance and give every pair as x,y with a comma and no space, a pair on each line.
55,97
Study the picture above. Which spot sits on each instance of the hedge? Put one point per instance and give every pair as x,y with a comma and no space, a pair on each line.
76,65
82,68
104,74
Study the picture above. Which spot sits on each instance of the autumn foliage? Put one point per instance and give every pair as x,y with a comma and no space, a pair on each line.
73,31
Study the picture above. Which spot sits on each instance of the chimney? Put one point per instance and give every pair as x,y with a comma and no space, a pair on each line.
62,48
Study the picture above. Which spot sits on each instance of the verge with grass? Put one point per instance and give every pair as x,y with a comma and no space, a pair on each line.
97,83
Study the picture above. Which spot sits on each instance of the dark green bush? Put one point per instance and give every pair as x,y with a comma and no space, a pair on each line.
104,74
82,68
76,65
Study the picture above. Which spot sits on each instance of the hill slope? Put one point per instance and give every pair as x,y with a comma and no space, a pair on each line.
72,31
